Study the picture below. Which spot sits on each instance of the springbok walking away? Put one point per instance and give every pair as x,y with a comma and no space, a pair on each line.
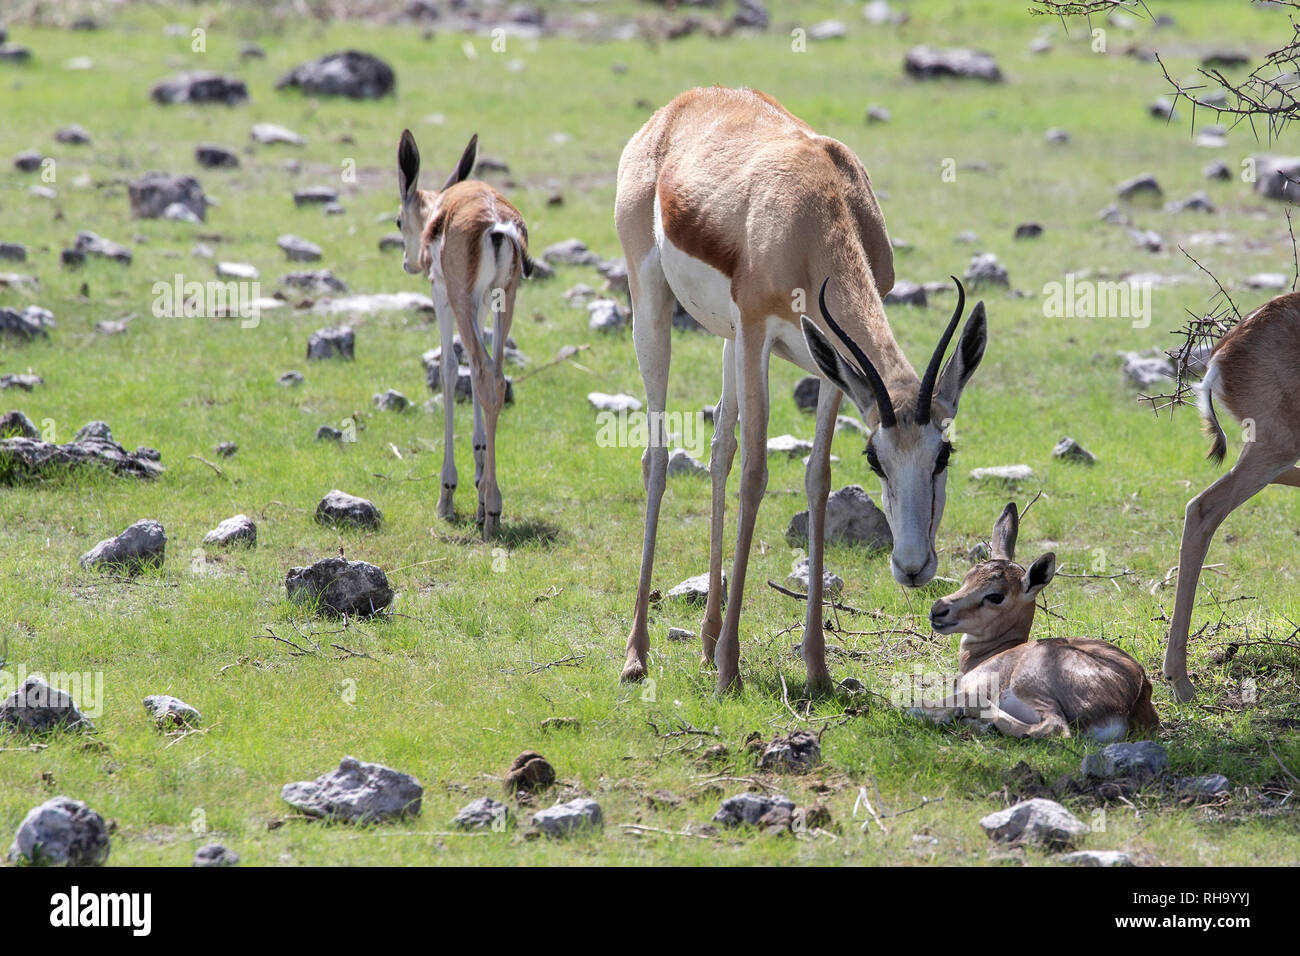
739,210
1255,371
473,245
1034,688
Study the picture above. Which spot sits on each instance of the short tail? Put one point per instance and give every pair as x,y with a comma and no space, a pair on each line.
508,231
1213,429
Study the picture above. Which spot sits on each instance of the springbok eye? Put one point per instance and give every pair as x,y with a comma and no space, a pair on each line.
873,460
994,598
940,463
398,222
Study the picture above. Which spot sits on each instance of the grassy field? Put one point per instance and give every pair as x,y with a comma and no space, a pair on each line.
455,684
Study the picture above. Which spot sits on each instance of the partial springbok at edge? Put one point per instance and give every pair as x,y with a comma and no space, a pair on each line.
740,210
1253,372
473,246
1034,688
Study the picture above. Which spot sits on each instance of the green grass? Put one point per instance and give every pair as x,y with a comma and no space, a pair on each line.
452,690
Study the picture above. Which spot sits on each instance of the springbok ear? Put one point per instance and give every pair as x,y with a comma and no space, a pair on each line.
1040,574
408,166
964,360
466,164
1003,545
847,378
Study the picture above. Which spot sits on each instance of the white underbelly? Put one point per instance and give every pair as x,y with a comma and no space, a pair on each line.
701,289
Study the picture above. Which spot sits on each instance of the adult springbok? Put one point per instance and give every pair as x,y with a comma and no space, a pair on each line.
1253,371
740,210
473,245
1034,688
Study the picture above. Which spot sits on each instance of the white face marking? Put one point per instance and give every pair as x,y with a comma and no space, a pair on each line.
912,497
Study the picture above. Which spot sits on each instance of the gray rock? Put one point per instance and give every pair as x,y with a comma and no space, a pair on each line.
1070,450
1217,169
907,293
340,587
1147,370
1272,281
682,462
1039,822
237,270
331,342
211,156
16,423
72,135
1277,177
32,322
14,53
832,583
926,62
315,195
177,212
168,711
680,634
797,753
984,269
61,832
805,393
390,241
329,433
1196,202
143,545
828,30
1097,858
1141,186
567,819
1029,230
341,508
751,14
391,401
13,251
214,854
37,708
482,814
290,379
31,459
90,244
606,315
374,303
613,403
1003,473
878,114
1057,136
269,133
357,793
1162,107
351,73
570,252
29,161
24,380
1207,786
226,449
851,518
748,808
695,590
200,86
880,13
1141,759
313,281
299,250
789,446
239,530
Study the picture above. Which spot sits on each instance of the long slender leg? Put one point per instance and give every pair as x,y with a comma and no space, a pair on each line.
491,488
447,373
752,353
722,452
480,439
817,484
1256,468
488,396
652,304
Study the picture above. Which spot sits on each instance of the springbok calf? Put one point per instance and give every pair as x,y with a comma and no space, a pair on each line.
739,210
1253,371
1034,688
473,245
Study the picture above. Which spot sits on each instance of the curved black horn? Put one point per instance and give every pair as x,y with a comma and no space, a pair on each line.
936,360
884,406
